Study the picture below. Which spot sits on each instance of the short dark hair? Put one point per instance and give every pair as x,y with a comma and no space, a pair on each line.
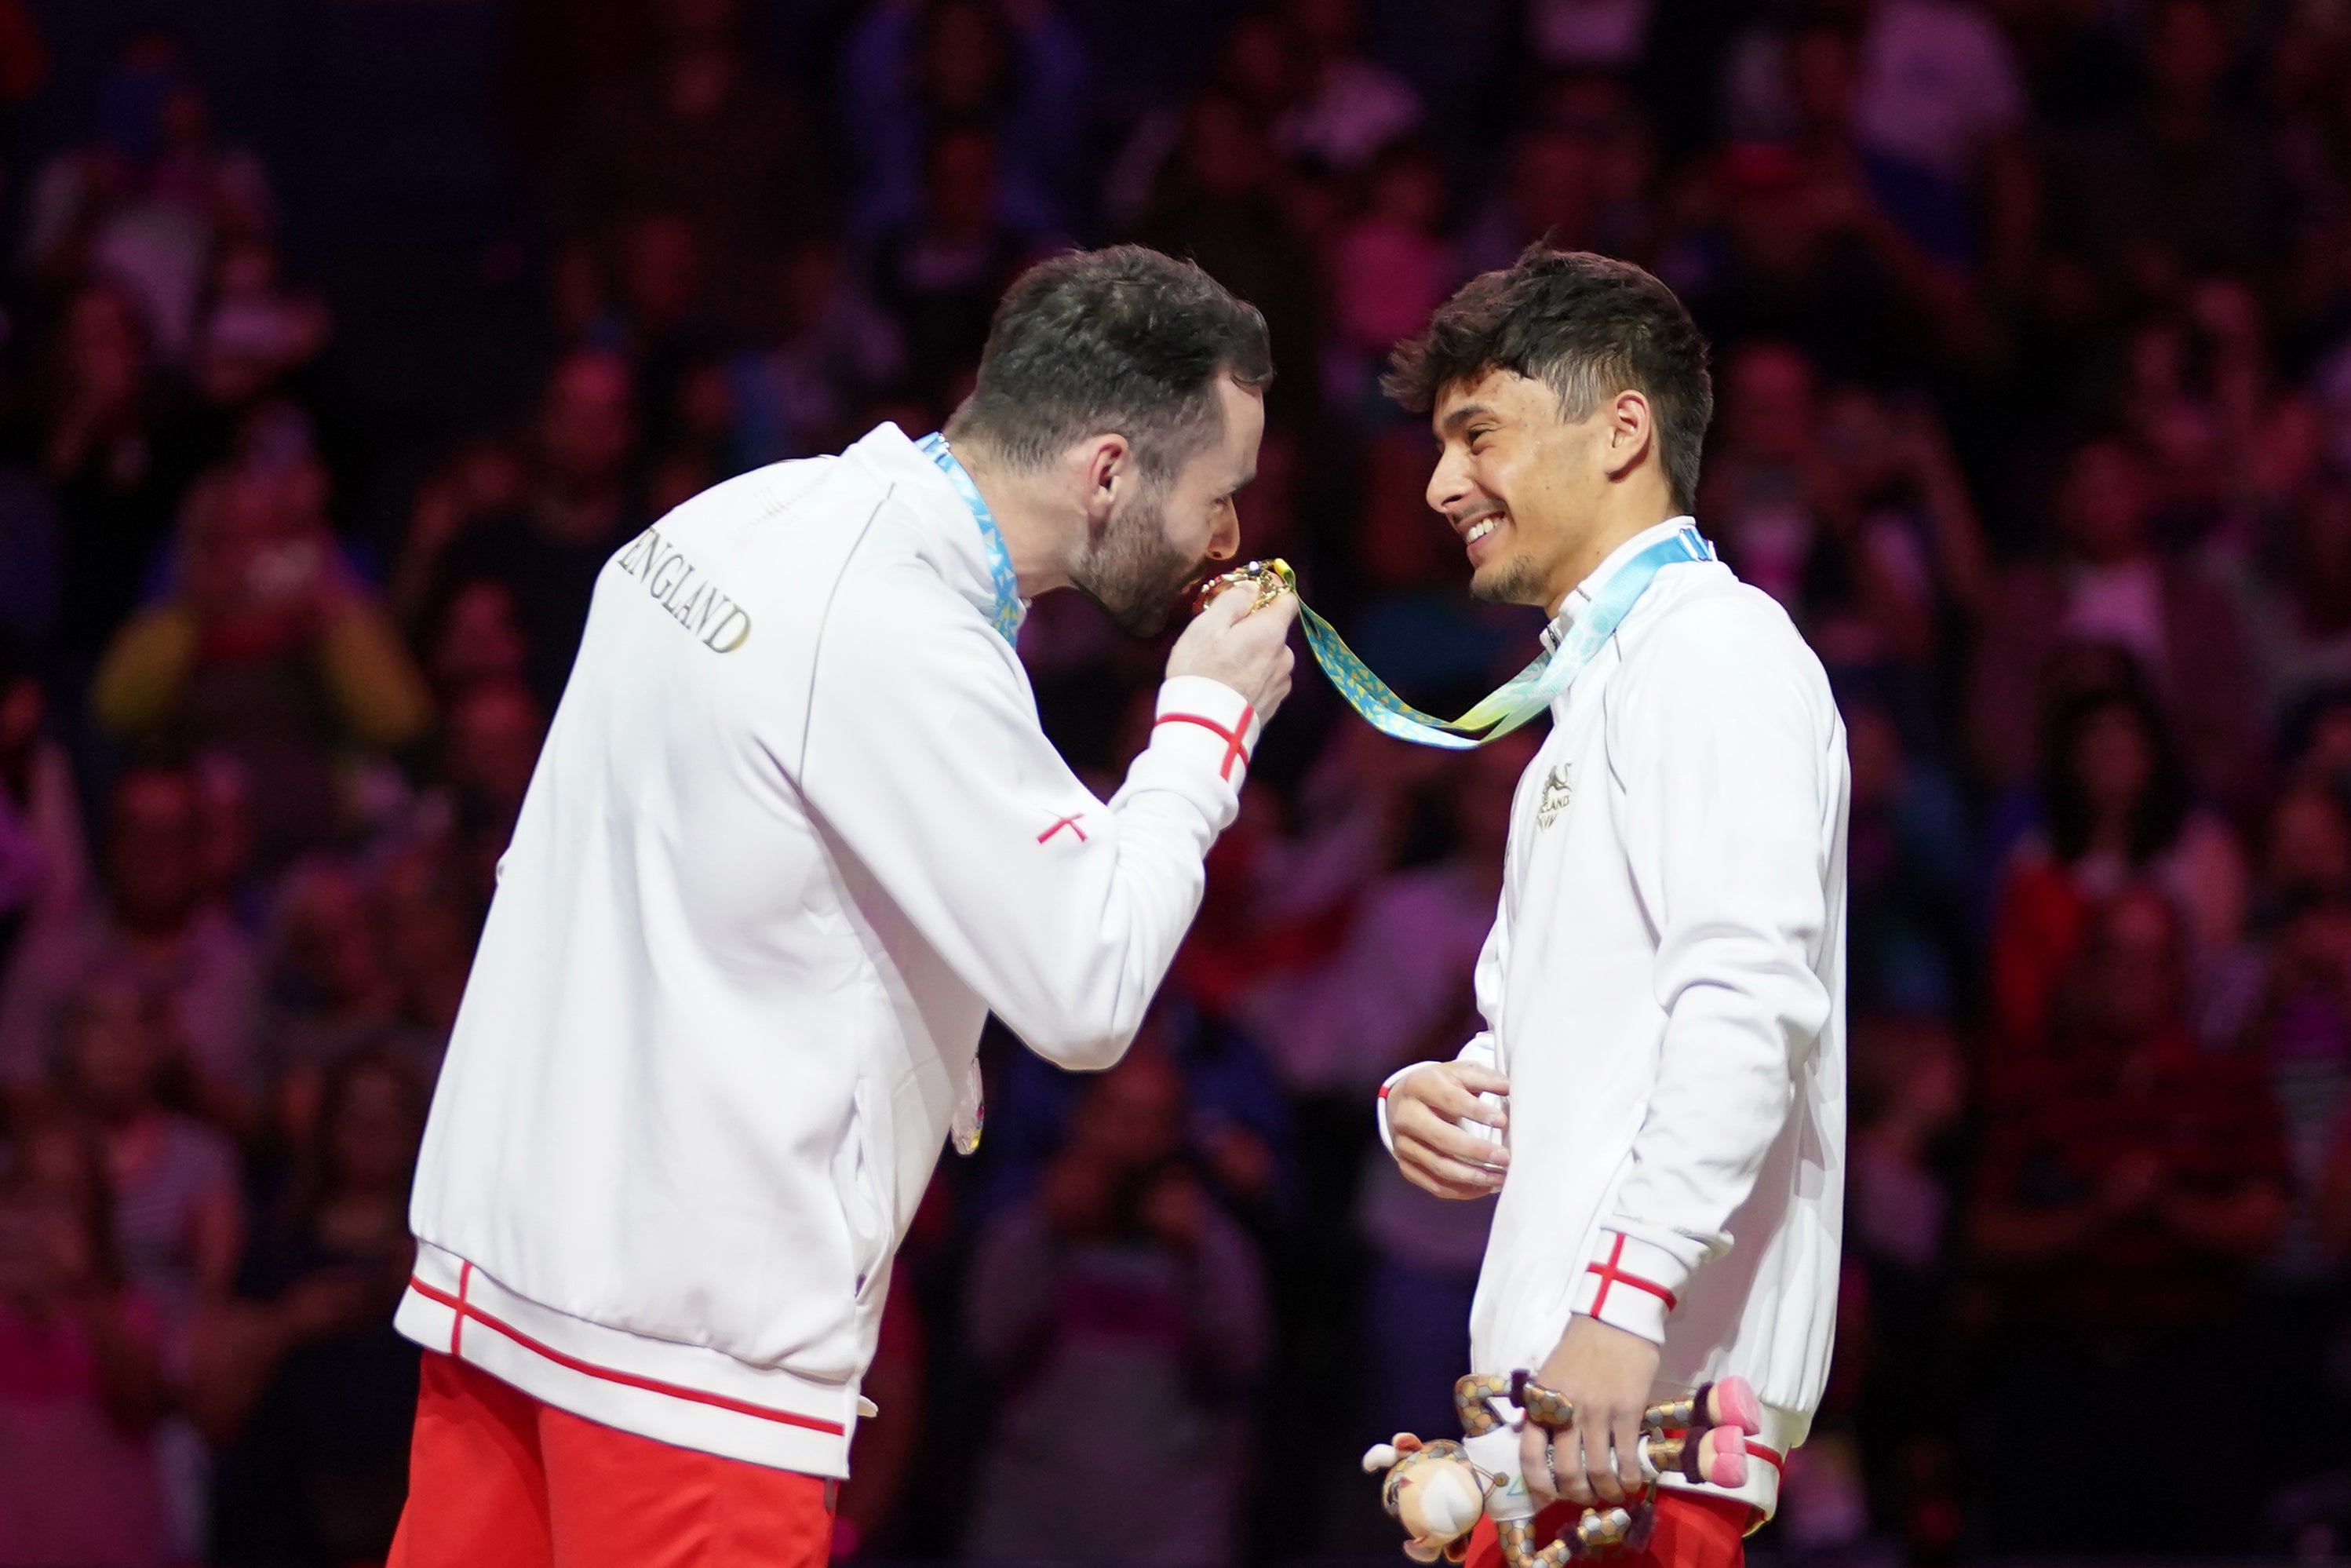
1589,326
1122,340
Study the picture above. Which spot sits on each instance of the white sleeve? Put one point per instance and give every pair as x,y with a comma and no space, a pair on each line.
924,755
1482,1050
1722,746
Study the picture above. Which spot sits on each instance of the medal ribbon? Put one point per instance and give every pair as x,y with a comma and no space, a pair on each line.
1008,608
1524,695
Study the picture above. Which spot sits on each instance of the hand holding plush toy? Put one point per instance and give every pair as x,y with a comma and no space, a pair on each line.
1438,1491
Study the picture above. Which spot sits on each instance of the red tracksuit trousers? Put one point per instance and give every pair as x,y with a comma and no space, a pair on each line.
497,1479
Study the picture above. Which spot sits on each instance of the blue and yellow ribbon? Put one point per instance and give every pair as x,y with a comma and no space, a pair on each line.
1509,706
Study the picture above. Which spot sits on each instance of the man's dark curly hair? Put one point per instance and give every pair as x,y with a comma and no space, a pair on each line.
1590,326
1122,340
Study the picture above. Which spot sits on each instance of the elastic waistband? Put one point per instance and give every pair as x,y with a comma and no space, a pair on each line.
687,1394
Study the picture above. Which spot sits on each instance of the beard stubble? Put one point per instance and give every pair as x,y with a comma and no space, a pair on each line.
1132,570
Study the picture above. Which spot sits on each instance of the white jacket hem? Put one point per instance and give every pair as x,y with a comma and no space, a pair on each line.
684,1395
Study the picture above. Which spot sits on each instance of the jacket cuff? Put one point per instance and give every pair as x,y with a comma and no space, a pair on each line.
1208,723
1632,1285
1380,1104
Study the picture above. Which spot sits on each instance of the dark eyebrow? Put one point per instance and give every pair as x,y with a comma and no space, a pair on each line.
1463,416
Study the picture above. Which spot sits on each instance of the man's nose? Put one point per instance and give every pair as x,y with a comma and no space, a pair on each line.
1450,485
1225,541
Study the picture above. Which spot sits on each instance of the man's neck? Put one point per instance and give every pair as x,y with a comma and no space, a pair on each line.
1602,542
1036,530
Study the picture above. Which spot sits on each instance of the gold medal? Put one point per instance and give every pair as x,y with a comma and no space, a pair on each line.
1272,579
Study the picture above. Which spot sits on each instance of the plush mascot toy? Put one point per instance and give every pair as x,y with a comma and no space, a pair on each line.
1438,1491
1433,1490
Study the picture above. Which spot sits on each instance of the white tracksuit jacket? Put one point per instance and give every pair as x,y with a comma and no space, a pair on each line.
1665,989
795,832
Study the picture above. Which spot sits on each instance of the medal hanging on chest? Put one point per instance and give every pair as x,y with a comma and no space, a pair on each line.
970,1112
1509,706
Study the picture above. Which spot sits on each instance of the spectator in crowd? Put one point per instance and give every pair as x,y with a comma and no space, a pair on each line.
1762,480
2178,188
942,273
2295,595
82,1378
838,349
302,1379
700,422
1908,185
1236,1123
1122,1314
910,72
226,839
153,931
1847,508
2129,1182
255,332
2117,808
479,640
2112,585
331,989
270,650
577,506
488,749
1219,201
1551,188
1911,873
1907,576
118,443
698,131
1772,245
178,1211
1350,108
179,1220
1937,109
1390,265
2299,985
659,320
483,481
145,205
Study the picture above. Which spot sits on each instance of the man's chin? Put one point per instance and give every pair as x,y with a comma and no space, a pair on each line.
1145,621
1510,581
1138,617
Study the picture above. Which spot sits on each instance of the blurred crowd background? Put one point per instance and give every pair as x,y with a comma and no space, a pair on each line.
342,341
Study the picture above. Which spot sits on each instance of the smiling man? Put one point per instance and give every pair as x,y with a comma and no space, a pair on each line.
796,832
1659,1093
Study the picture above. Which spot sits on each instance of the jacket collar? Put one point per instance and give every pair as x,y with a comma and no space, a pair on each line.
948,534
1579,597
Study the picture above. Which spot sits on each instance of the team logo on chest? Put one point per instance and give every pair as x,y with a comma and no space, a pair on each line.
1557,791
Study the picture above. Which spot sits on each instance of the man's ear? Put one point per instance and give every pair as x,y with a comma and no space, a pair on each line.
1109,461
1632,432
